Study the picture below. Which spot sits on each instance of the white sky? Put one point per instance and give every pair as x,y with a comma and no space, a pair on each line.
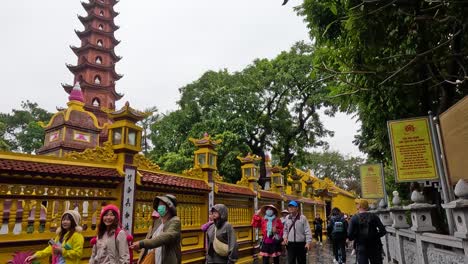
165,45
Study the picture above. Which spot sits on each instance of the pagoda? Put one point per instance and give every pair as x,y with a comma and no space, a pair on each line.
95,70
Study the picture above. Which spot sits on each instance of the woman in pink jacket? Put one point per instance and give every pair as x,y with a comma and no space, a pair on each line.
272,230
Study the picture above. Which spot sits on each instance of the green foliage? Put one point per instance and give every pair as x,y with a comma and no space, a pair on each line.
389,60
22,132
270,105
152,117
344,171
3,143
174,162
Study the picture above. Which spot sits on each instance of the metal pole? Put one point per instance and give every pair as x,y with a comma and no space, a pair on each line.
440,171
383,184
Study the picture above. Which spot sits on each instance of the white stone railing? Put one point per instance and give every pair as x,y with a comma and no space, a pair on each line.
404,246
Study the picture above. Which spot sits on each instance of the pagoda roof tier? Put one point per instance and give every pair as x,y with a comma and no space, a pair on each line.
89,6
89,30
85,85
88,45
86,64
91,16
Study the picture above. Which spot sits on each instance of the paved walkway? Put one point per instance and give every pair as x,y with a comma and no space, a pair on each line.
324,254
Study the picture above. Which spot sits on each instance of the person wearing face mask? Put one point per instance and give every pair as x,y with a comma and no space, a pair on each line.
272,231
222,240
162,243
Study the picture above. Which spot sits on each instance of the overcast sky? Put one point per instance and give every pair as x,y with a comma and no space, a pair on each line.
164,45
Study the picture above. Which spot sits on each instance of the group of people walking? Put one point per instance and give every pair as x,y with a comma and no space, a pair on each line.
365,230
290,233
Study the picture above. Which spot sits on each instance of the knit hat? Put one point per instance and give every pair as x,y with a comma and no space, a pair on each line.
111,207
169,199
76,218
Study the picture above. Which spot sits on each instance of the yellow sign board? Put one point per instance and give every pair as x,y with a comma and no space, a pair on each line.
372,181
412,150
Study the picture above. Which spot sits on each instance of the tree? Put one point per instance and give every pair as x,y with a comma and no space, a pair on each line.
389,60
152,117
22,130
344,171
270,105
3,143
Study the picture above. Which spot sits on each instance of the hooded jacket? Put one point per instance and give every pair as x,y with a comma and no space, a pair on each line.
168,240
225,233
115,248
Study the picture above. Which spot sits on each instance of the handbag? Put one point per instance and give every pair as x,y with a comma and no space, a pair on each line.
150,258
219,247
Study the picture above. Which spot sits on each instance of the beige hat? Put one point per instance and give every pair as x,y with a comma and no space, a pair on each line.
169,199
76,218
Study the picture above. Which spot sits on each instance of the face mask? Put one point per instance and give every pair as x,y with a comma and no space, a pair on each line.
269,212
162,210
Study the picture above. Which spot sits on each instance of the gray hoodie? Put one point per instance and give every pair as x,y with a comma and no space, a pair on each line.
226,234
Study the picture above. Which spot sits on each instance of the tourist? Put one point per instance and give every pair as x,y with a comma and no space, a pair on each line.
222,240
318,229
272,231
297,235
67,247
205,228
338,231
162,243
111,245
366,229
284,216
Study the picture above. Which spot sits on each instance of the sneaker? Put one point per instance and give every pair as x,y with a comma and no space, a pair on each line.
353,252
335,261
320,243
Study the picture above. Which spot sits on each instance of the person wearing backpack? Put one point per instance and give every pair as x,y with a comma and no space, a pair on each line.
111,243
338,227
366,229
162,243
222,239
296,235
318,225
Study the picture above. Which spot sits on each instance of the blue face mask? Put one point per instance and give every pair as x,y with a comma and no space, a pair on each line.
162,210
269,212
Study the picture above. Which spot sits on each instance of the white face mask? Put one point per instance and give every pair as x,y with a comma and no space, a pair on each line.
269,212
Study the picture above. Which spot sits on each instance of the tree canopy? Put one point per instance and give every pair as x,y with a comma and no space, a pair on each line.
389,59
21,129
269,105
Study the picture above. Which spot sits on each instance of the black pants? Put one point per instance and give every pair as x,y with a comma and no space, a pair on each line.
339,244
266,260
318,235
366,256
296,251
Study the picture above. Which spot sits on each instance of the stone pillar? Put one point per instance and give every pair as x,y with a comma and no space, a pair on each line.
460,209
397,213
384,214
420,213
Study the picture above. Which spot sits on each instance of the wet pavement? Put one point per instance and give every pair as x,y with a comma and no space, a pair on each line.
324,254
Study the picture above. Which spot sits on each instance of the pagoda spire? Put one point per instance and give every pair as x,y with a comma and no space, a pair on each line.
95,69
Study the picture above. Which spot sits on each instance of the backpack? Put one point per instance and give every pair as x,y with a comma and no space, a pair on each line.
339,229
318,225
129,241
367,231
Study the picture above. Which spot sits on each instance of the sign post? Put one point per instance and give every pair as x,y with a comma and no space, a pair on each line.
412,150
372,181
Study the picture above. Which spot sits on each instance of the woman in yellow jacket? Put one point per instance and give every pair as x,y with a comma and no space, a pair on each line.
67,247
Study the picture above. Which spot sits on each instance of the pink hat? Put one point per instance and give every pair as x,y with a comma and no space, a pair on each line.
111,207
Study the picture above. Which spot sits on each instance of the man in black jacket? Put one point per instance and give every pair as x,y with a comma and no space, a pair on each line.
367,229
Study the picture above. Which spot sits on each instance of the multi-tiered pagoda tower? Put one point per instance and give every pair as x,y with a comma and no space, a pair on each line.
95,70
